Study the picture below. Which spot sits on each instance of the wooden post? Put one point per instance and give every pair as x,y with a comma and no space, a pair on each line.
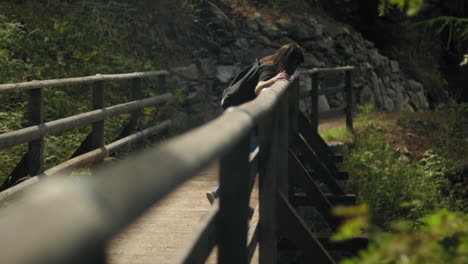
35,155
283,144
268,171
97,136
136,91
293,98
162,83
349,101
231,231
314,101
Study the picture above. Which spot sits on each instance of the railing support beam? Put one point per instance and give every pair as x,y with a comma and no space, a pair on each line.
35,156
314,101
283,144
268,175
349,101
234,205
97,137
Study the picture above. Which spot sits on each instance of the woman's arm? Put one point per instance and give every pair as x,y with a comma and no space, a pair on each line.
264,84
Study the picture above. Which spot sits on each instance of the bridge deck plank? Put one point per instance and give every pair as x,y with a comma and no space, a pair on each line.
158,235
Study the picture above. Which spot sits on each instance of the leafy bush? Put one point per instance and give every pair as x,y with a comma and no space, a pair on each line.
412,210
395,187
62,38
342,134
442,238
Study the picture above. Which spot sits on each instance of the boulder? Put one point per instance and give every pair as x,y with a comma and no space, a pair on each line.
219,17
225,73
301,32
419,101
311,62
323,103
264,41
414,86
242,43
366,96
283,41
272,32
305,83
207,66
252,25
388,104
395,66
189,72
318,45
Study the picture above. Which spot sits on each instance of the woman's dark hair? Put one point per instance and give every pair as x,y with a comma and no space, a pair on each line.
287,58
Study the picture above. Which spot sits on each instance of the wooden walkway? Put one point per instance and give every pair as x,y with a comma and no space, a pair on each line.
160,234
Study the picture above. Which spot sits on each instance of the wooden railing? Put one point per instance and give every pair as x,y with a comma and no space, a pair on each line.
92,149
315,92
72,221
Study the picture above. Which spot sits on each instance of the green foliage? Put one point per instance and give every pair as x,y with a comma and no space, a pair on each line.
423,44
367,112
412,7
342,134
455,144
66,45
458,127
456,28
442,238
357,219
395,187
50,39
465,60
11,118
420,55
407,198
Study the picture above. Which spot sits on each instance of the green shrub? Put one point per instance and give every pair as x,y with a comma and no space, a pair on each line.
341,134
50,39
442,238
395,187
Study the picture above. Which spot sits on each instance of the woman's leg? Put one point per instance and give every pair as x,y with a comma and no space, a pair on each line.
213,195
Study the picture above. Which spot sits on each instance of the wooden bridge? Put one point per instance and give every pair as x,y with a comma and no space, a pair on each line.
92,219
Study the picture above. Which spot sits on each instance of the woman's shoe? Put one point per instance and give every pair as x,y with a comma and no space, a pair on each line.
212,195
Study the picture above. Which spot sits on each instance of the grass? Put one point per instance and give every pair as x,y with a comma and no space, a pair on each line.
341,134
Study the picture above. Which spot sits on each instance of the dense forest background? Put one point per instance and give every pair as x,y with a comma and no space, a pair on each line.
414,202
58,39
428,38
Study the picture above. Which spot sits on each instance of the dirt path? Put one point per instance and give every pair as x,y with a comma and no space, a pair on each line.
332,123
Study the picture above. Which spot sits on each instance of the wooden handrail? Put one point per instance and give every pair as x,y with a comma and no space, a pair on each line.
331,69
10,87
57,126
108,202
33,160
315,92
112,199
85,159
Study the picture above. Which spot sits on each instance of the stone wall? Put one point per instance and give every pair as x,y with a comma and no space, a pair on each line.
228,42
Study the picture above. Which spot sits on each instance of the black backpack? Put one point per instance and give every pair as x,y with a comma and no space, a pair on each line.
242,88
